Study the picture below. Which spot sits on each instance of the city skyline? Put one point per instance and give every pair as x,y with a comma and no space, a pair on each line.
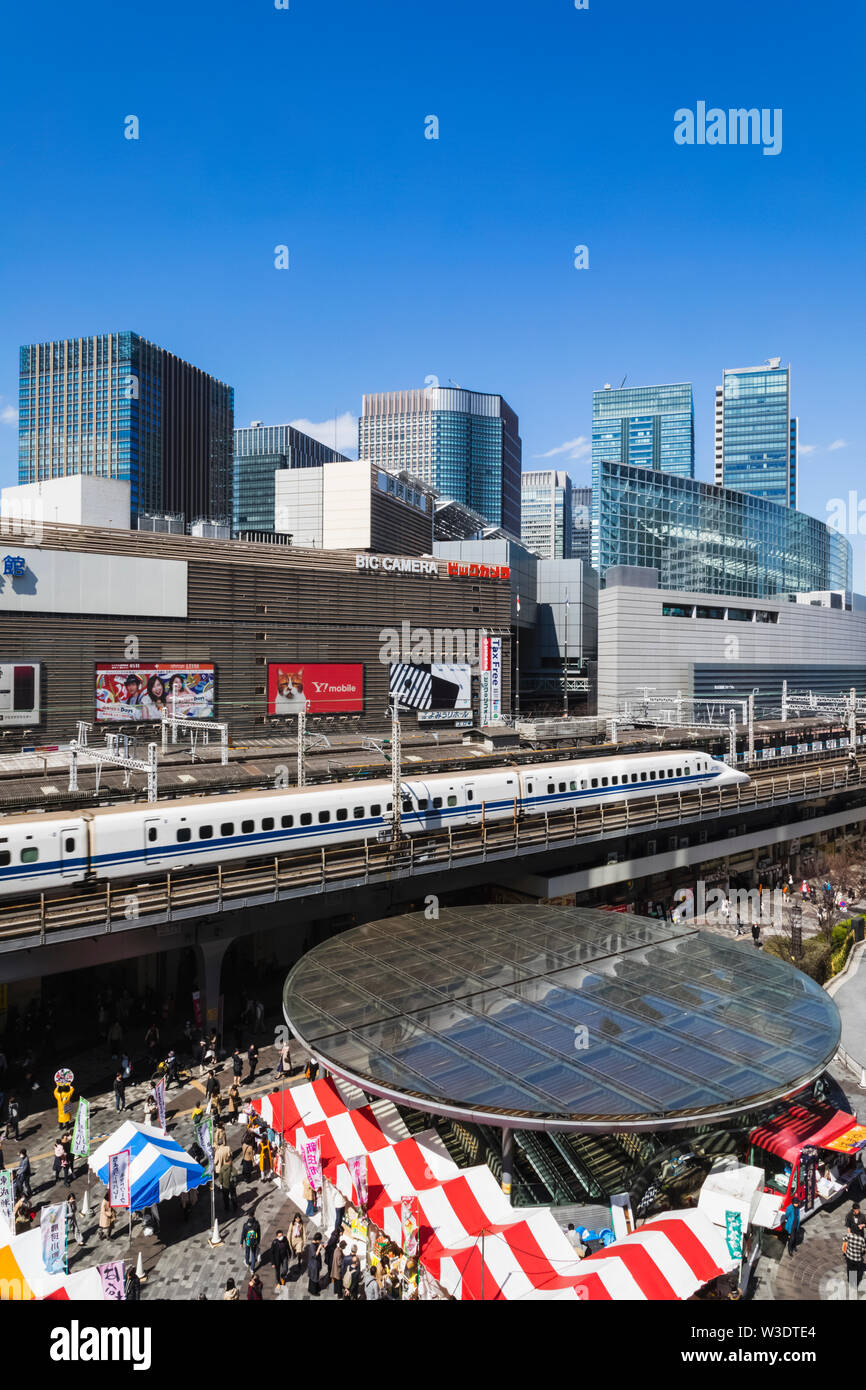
457,258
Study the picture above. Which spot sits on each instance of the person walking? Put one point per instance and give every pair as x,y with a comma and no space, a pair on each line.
314,1265
133,1285
792,1225
59,1156
297,1240
352,1275
234,1102
854,1250
254,1289
756,933
253,1059
226,1179
73,1229
251,1236
337,1268
280,1255
13,1117
339,1210
119,1092
151,1110
231,1294
309,1197
248,1155
22,1176
284,1065
107,1219
237,1064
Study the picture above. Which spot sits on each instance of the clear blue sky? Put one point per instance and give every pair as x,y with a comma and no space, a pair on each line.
413,257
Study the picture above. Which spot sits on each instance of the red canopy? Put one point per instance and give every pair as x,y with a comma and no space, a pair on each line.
816,1124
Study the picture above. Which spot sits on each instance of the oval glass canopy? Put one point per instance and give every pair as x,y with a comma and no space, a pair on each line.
560,1018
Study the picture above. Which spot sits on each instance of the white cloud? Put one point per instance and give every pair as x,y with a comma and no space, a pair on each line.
579,448
837,444
805,448
345,440
8,414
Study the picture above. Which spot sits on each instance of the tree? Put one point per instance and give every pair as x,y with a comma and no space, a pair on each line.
840,875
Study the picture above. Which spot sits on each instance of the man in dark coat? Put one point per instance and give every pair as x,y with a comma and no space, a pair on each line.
253,1059
314,1265
251,1236
280,1255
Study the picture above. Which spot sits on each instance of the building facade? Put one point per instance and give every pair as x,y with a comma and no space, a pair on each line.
646,427
703,646
354,505
755,433
546,513
581,524
710,539
259,452
117,406
466,444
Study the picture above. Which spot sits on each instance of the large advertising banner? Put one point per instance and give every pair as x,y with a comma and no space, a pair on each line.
430,686
126,692
118,1179
19,692
491,680
329,688
53,1226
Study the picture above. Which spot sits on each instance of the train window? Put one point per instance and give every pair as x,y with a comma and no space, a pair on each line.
358,813
437,802
643,777
422,803
268,823
184,834
551,786
562,786
376,808
389,805
247,827
572,786
287,822
595,781
529,787
151,833
227,828
306,818
583,784
343,813
29,855
205,832
614,781
470,796
452,801
679,772
5,858
324,817
604,781
634,777
69,846
688,772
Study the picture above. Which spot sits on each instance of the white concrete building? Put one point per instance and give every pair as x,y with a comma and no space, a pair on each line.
79,499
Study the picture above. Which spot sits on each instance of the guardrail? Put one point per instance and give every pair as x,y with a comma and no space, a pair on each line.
104,907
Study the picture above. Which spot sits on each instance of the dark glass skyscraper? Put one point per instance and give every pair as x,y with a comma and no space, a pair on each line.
259,451
464,443
756,436
645,426
117,406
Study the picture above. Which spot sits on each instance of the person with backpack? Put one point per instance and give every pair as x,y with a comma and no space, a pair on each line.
251,1236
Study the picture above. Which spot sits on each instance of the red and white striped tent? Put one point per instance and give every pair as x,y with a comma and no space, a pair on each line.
669,1257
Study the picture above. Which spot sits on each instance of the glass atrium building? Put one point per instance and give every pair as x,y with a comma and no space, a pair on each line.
709,539
463,443
117,406
756,436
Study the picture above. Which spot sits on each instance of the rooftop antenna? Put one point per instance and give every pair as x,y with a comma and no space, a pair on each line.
623,382
451,382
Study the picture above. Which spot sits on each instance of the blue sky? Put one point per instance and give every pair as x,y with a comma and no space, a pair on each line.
452,257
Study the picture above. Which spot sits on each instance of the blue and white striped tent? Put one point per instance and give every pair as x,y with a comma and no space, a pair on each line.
159,1168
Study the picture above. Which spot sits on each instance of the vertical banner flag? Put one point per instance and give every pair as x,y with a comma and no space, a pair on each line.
159,1093
734,1234
111,1277
7,1199
54,1238
118,1179
81,1134
484,700
196,1007
409,1223
313,1163
204,1139
358,1172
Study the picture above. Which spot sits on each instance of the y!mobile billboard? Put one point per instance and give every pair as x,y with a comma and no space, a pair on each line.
322,687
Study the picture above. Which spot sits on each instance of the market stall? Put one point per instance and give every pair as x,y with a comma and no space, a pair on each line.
158,1167
670,1257
811,1152
23,1275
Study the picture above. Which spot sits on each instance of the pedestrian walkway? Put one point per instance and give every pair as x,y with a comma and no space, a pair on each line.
850,999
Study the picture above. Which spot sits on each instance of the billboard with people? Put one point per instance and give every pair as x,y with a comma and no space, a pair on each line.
130,691
320,687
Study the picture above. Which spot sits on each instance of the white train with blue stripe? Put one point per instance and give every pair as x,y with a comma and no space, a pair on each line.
47,851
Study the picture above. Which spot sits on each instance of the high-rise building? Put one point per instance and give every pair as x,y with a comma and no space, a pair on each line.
756,436
117,406
645,427
581,524
352,505
545,513
259,452
463,443
713,540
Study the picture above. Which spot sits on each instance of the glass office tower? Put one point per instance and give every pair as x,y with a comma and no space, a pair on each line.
463,443
756,436
260,451
545,513
581,524
709,539
645,426
117,406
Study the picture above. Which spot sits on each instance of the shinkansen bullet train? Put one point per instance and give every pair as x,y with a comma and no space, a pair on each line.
39,852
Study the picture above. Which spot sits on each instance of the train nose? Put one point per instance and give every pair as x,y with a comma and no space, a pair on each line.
742,777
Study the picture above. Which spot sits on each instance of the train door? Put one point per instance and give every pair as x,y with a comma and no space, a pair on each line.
473,803
71,850
151,839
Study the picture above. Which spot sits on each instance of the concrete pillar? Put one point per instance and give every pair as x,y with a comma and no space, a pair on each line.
507,1160
210,959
